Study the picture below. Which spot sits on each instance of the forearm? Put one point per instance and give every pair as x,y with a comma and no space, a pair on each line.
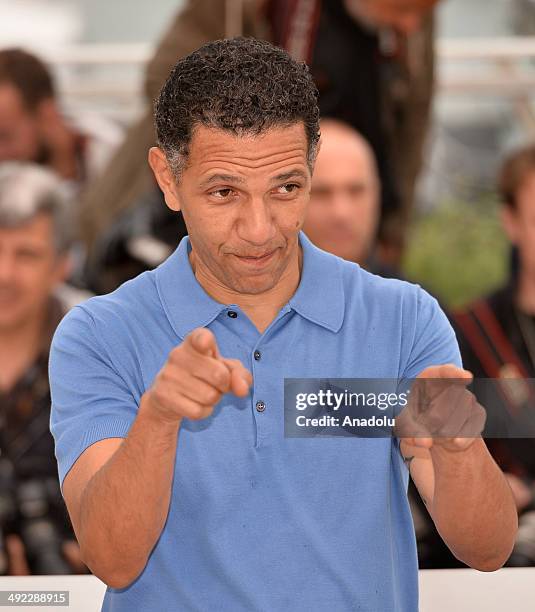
472,506
125,504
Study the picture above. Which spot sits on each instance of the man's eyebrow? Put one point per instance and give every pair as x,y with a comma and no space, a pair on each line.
222,178
286,176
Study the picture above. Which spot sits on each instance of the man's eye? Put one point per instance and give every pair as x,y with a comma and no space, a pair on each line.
356,191
221,194
28,255
288,188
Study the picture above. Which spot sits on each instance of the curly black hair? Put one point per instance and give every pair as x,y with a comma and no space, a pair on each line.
242,85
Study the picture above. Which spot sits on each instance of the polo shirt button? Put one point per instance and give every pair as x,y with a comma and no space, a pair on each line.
260,406
232,314
257,355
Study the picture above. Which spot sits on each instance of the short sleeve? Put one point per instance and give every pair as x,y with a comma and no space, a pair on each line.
434,341
90,399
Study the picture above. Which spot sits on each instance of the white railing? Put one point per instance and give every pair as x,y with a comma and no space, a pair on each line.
487,49
459,590
494,51
111,75
109,54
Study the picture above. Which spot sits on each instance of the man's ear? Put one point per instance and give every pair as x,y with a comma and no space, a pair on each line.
164,176
509,223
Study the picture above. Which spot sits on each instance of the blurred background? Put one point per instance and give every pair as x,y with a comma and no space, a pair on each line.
483,107
81,150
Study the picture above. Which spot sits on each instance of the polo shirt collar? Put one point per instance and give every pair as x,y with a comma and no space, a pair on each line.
319,296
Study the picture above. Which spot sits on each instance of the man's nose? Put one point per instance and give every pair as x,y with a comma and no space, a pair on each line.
342,207
256,224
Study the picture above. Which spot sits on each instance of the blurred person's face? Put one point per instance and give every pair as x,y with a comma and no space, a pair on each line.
343,213
21,129
519,223
244,200
406,16
30,268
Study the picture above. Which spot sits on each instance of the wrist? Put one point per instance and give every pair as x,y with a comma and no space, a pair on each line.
449,452
151,411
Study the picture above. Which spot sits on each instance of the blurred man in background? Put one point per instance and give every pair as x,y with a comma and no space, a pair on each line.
497,340
33,127
373,64
345,200
35,235
344,207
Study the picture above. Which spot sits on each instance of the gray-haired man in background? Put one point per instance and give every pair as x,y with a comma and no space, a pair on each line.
35,237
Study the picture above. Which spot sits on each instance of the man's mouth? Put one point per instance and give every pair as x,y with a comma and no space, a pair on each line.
257,260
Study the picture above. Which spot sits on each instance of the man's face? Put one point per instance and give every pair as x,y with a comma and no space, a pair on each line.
29,269
244,200
344,205
20,128
520,224
406,16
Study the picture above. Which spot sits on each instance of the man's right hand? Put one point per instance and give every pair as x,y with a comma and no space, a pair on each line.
194,379
115,544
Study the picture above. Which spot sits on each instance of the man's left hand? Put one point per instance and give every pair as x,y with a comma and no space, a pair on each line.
441,412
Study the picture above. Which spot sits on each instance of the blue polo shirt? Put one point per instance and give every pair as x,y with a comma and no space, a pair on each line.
257,521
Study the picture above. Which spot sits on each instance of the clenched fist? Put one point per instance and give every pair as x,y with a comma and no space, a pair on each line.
441,411
194,379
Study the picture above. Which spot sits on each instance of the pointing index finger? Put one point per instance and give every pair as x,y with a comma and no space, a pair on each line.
203,341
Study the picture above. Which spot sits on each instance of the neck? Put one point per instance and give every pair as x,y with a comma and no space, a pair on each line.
261,308
525,295
19,347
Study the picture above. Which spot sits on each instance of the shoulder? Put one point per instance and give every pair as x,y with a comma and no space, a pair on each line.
403,315
104,319
387,294
109,338
132,297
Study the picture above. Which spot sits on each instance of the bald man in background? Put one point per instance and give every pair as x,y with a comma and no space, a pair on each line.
344,210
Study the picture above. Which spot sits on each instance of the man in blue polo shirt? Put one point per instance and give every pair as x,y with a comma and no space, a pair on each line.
168,393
